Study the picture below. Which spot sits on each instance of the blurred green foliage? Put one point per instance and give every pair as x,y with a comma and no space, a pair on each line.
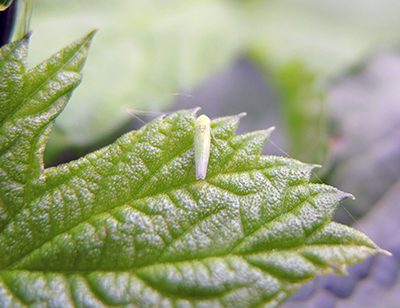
148,50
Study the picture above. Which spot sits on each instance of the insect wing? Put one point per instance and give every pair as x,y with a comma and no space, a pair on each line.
202,139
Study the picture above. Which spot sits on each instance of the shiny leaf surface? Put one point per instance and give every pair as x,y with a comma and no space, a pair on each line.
130,225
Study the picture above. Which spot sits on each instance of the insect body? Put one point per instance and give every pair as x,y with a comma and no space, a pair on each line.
202,139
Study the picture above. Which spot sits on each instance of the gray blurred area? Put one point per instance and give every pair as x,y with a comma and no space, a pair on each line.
366,109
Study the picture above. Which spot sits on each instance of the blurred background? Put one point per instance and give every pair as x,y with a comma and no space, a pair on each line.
325,73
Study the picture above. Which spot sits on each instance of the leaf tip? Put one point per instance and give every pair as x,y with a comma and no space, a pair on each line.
195,110
384,252
88,37
348,196
28,35
269,131
340,269
241,115
93,32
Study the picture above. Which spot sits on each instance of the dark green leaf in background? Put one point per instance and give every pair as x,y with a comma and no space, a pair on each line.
130,225
304,111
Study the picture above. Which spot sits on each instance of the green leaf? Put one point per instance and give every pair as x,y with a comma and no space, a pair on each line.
30,101
129,225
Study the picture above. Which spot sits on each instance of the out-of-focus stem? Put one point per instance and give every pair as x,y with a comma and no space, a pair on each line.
23,19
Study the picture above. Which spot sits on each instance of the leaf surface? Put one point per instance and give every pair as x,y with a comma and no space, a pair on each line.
130,225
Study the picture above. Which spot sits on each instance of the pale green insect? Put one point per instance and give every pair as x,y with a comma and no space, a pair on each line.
202,140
